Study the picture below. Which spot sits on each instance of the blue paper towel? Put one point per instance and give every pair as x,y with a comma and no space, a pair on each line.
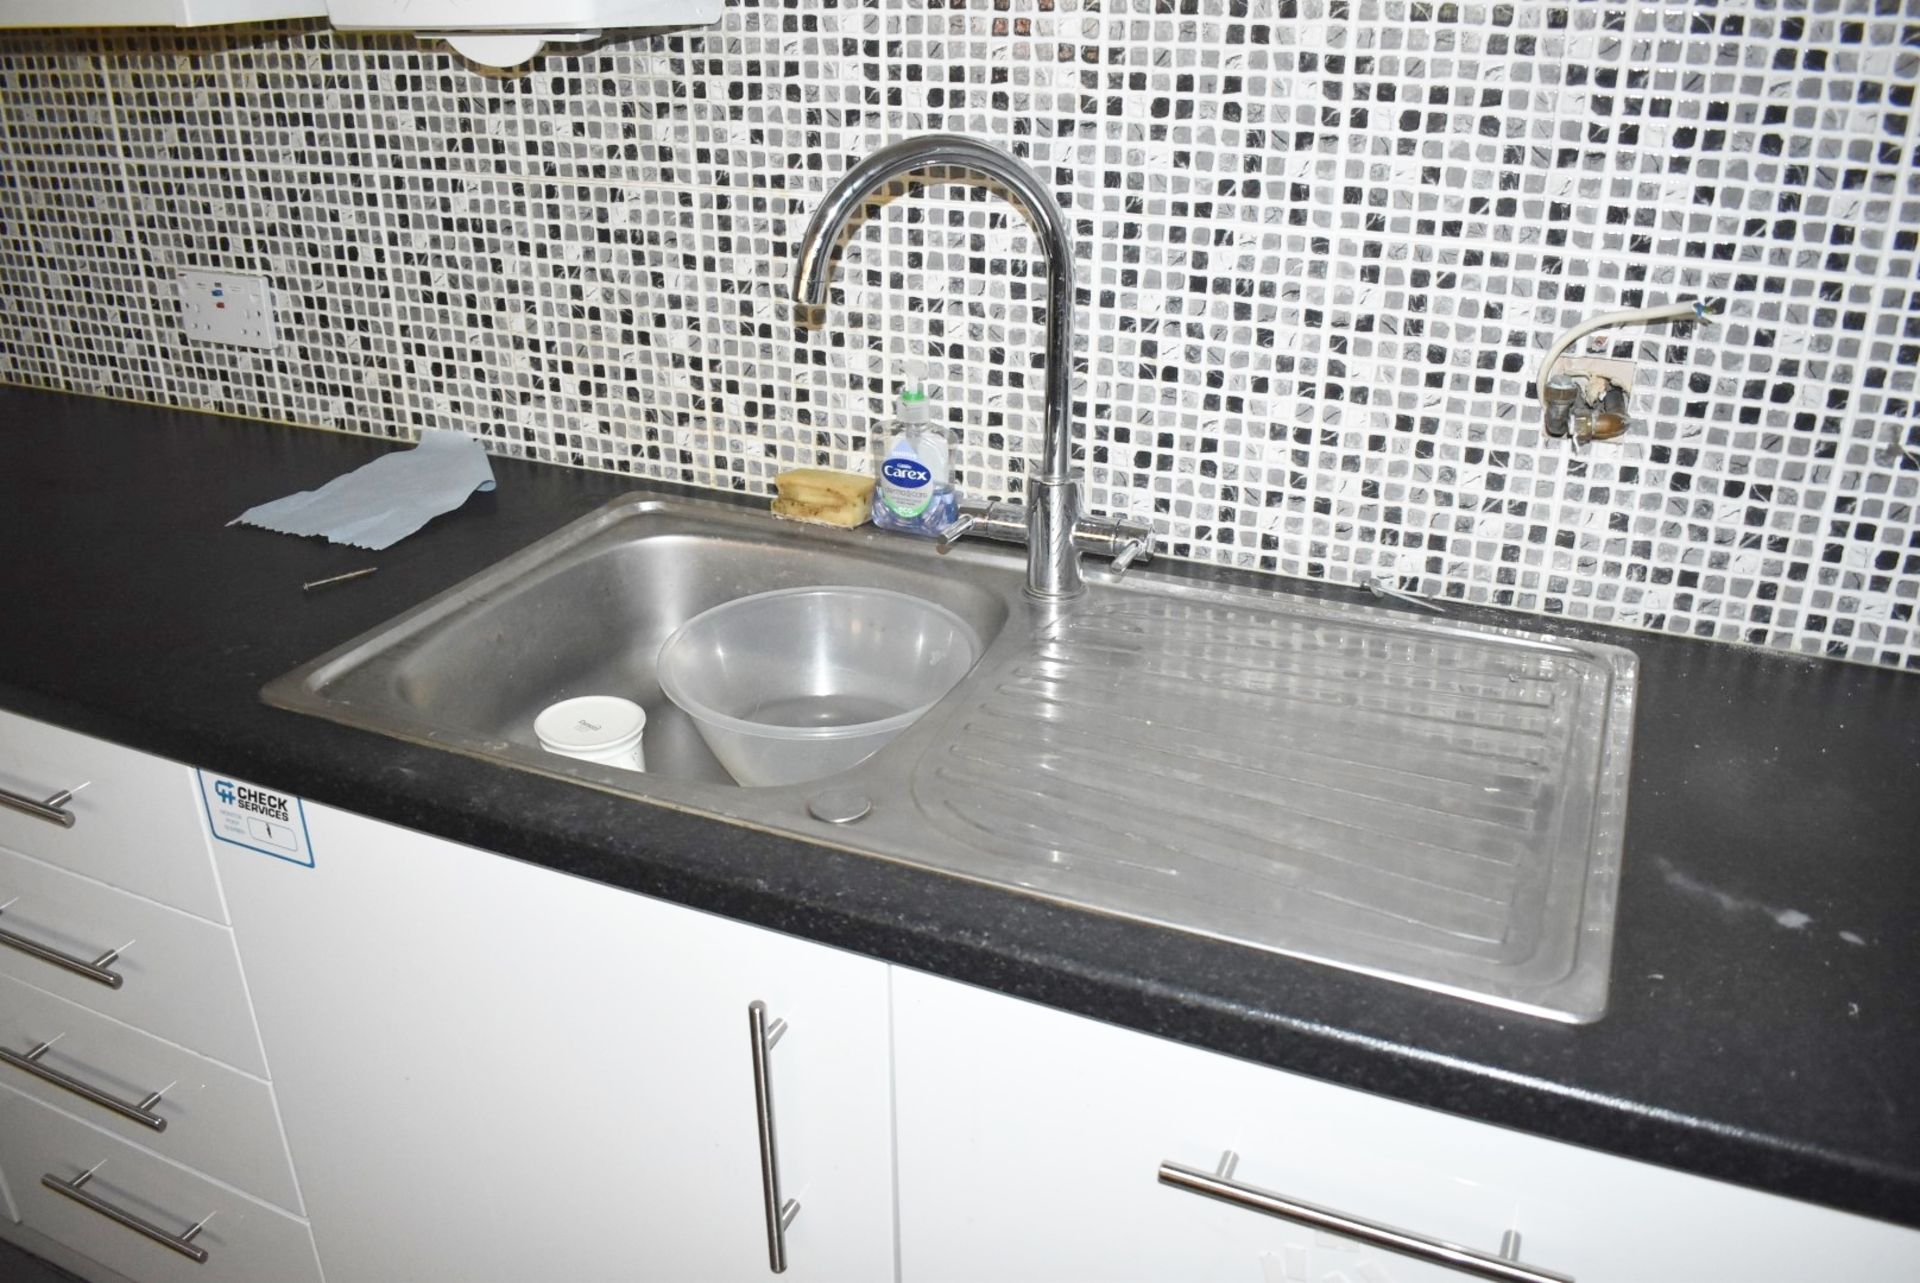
378,505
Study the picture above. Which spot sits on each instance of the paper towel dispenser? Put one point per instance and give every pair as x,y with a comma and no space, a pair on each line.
505,33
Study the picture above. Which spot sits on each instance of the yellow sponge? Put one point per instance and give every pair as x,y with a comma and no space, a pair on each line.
823,496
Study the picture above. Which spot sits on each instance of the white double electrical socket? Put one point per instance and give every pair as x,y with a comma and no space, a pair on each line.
235,308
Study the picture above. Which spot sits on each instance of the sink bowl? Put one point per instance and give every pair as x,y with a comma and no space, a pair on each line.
585,612
1430,801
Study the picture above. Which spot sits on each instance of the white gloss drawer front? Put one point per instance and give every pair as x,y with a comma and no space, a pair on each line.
1038,1146
140,1088
132,1212
156,968
107,813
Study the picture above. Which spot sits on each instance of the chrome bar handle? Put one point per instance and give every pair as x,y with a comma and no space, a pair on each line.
182,1242
1221,1185
141,1113
780,1212
53,810
95,971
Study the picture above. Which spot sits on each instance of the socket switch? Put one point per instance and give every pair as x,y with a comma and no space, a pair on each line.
234,308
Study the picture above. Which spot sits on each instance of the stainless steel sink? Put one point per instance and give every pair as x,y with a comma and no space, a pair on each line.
1433,802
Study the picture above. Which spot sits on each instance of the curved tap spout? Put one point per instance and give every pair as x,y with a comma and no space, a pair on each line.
814,269
1050,524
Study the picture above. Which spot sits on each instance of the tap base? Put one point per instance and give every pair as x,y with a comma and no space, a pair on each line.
1053,560
1066,533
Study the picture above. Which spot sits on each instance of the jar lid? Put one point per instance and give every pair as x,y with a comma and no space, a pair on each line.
589,723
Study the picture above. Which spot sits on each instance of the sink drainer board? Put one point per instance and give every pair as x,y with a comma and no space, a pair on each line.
1432,805
1433,802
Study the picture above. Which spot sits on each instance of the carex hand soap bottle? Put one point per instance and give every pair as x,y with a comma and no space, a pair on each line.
915,494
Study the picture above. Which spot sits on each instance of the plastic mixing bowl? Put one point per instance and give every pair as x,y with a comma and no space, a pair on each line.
797,684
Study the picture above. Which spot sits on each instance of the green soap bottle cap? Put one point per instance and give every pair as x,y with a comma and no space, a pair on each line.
913,395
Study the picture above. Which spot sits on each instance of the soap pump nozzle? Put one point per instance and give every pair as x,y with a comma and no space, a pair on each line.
914,406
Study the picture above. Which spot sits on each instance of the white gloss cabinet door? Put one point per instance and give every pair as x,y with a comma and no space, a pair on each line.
1030,1143
492,1072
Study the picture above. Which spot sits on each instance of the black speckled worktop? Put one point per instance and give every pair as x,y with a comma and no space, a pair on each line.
1764,1026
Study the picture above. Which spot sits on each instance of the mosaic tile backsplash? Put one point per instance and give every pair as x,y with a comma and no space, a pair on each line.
1322,247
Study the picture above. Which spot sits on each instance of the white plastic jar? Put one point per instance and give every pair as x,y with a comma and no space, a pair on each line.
595,728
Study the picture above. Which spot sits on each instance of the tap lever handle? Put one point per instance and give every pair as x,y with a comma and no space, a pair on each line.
955,530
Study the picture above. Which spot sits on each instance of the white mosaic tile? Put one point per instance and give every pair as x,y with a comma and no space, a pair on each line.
190,196
85,272
1321,246
26,357
304,143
